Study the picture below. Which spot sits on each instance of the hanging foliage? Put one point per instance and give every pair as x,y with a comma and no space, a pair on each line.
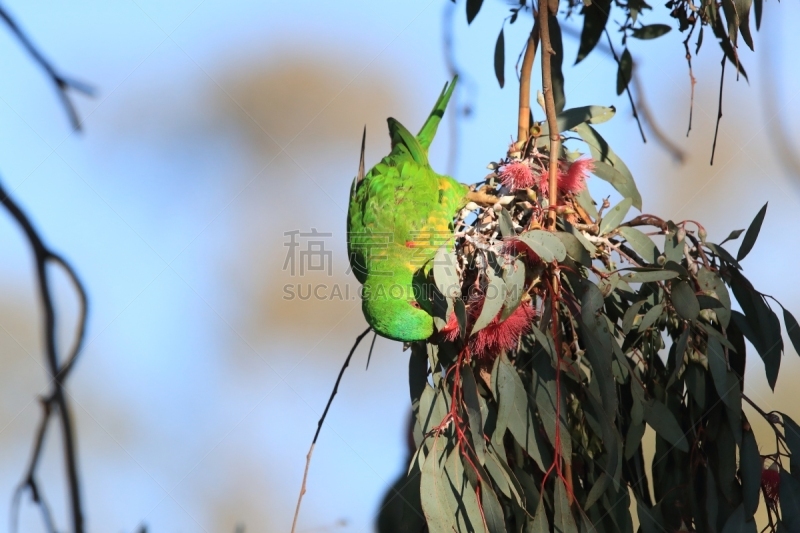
529,413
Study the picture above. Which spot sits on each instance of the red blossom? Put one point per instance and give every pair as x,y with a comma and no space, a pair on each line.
451,329
516,175
770,484
502,336
573,180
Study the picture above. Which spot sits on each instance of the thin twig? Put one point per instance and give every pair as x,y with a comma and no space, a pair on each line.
719,110
545,8
321,421
524,118
627,87
62,83
692,80
58,372
371,347
550,112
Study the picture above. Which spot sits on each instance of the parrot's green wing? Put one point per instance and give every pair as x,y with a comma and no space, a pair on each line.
428,131
400,212
403,142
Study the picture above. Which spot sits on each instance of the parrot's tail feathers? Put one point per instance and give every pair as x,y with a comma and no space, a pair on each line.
428,131
403,140
360,176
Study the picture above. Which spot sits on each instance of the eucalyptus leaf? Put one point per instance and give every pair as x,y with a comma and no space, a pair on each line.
792,329
633,439
514,277
597,490
492,302
750,465
432,408
571,118
630,316
461,496
506,224
473,7
513,411
624,71
733,235
439,515
792,433
680,352
759,323
470,391
575,249
591,248
752,233
586,202
653,314
563,520
651,31
648,519
545,397
499,475
685,301
500,59
790,501
737,522
544,244
540,522
492,511
711,282
695,378
723,254
595,17
727,45
725,381
661,419
445,272
597,340
608,166
647,276
614,216
556,63
641,243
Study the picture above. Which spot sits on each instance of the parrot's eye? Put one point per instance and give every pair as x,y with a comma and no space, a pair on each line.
415,304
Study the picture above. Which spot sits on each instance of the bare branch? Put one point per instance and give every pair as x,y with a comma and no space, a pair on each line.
62,83
321,421
58,372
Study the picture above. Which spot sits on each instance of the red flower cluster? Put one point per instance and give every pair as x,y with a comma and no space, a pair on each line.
771,484
498,335
573,180
502,336
518,175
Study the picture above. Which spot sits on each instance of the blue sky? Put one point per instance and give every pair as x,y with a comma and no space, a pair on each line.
216,128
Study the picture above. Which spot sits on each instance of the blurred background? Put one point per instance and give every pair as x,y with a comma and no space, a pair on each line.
221,132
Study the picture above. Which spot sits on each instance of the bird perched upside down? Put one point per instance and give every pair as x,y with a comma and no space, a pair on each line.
400,213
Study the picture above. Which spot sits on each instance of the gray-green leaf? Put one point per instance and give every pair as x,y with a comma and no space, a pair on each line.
615,215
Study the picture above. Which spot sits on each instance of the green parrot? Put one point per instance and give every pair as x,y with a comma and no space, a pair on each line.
400,213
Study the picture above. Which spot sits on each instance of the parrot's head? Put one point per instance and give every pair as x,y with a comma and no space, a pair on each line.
393,311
